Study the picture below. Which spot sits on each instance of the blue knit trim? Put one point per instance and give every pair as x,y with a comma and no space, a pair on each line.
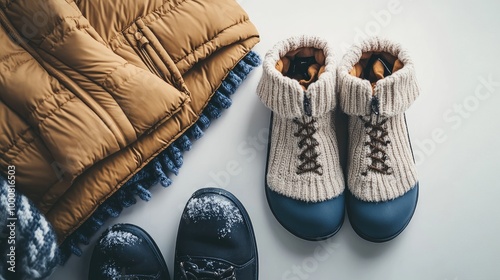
36,257
167,162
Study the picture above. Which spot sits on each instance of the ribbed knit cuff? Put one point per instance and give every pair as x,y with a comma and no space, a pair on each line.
283,95
395,92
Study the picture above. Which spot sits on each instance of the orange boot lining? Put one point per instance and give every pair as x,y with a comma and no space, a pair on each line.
303,64
374,66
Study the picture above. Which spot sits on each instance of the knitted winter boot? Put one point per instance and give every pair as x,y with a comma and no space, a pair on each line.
304,181
377,83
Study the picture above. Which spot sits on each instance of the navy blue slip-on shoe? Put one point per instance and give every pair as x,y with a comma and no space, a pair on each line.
126,251
382,221
377,83
304,180
215,239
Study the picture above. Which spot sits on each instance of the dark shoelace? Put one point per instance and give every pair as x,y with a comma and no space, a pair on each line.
377,132
141,277
191,271
377,143
308,156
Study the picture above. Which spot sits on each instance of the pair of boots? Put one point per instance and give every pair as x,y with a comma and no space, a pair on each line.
215,241
374,84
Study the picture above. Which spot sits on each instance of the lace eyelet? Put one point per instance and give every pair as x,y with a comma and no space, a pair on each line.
191,271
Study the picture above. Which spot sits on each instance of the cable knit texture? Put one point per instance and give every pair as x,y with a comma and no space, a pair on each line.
285,97
36,252
395,94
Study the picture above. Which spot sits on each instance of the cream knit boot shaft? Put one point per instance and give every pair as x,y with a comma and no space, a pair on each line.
303,160
381,165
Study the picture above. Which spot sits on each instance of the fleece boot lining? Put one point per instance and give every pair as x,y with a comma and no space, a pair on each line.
303,64
374,66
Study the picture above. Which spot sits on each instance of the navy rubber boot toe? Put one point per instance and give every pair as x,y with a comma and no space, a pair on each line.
215,239
306,220
382,221
126,251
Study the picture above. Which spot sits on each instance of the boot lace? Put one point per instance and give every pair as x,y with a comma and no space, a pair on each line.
135,277
190,271
308,156
378,141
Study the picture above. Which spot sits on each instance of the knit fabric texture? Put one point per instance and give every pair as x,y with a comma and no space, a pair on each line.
378,140
160,169
36,252
301,120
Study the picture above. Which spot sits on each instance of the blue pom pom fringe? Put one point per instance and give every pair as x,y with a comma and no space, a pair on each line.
167,162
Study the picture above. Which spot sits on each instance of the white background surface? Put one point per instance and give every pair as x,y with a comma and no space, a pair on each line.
454,234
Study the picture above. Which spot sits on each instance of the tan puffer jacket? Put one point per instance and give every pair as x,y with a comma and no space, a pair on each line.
91,91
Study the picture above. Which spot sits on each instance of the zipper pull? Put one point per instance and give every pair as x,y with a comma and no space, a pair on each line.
307,105
141,39
375,105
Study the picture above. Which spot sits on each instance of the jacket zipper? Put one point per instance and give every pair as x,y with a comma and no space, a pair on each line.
142,43
307,105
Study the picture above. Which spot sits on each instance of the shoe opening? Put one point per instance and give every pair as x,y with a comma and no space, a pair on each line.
303,64
374,66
